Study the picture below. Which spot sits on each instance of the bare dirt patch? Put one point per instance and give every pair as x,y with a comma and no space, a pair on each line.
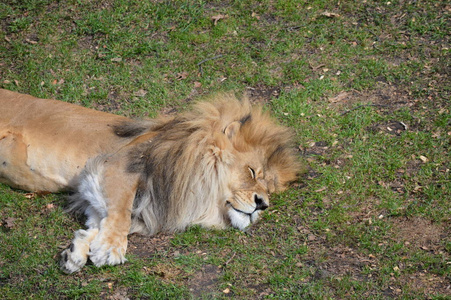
392,127
384,96
428,284
205,281
148,246
420,233
111,105
262,94
338,262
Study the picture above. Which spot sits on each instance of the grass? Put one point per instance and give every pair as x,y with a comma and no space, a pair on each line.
365,89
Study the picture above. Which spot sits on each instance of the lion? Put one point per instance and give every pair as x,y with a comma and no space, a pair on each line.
214,165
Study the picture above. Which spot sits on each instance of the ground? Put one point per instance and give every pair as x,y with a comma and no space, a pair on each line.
363,85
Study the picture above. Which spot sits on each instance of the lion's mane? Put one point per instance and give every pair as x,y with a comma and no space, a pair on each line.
183,169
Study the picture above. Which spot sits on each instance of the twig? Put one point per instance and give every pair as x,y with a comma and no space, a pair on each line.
207,59
293,28
230,259
363,105
375,35
317,67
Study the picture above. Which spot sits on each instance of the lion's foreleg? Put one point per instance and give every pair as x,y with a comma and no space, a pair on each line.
109,192
110,244
105,242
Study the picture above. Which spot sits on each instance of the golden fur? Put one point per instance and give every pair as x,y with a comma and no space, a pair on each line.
214,165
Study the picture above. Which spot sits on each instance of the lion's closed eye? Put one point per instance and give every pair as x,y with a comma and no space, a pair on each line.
252,171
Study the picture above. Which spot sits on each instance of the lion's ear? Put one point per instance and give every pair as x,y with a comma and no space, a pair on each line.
231,131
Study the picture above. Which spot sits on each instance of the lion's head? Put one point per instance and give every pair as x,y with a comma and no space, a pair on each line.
214,165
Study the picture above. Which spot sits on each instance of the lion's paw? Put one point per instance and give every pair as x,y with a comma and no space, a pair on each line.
103,252
73,259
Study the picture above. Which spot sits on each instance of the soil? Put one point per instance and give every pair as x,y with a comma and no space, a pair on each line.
148,246
205,281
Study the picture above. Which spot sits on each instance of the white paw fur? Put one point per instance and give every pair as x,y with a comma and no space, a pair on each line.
108,253
76,255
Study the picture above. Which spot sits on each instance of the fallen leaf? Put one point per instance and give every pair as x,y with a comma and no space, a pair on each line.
341,96
330,14
254,15
182,75
424,158
321,189
436,134
9,222
116,59
42,193
197,84
31,41
30,195
226,291
140,93
218,17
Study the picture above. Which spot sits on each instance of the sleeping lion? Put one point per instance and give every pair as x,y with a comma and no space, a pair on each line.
214,166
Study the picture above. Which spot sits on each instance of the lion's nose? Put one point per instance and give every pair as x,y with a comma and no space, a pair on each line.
260,202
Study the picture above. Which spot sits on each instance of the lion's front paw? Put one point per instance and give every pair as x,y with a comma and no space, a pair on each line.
108,250
73,259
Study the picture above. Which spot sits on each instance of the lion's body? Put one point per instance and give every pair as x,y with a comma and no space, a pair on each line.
214,166
44,144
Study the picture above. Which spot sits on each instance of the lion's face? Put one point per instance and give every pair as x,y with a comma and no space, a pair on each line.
258,161
250,188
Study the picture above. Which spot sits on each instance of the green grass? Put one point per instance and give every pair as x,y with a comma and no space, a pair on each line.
370,219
